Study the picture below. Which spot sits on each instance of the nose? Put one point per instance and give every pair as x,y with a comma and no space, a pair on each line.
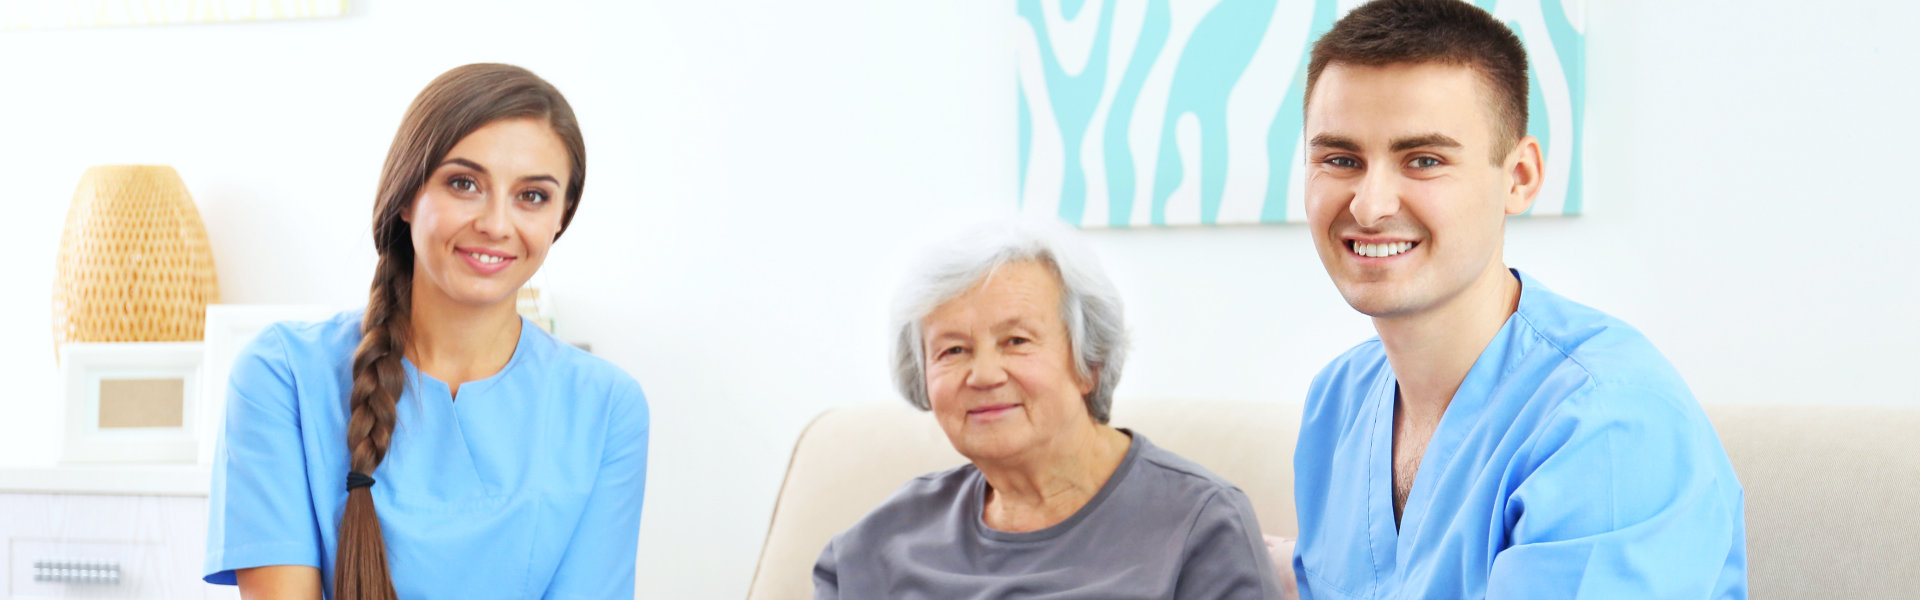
988,371
493,220
1376,198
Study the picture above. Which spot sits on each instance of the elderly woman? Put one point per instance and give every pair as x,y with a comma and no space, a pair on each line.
1011,336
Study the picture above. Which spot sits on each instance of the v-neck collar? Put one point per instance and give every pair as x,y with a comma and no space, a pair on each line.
1462,415
440,388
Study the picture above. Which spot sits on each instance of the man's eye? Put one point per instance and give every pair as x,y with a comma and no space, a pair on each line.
1342,162
1425,162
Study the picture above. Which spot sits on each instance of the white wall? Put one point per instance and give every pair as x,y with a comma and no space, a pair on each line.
759,168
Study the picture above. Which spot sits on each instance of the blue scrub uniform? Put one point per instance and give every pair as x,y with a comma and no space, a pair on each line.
1571,463
528,487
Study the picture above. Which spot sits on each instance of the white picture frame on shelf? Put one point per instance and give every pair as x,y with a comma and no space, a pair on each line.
230,327
131,402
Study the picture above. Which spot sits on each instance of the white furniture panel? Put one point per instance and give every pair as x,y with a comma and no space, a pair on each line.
142,546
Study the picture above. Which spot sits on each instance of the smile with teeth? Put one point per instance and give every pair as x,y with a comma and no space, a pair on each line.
486,258
1380,250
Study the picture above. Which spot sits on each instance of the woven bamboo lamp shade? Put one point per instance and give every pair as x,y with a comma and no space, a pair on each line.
134,261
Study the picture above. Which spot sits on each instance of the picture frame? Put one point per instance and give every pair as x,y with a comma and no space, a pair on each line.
131,402
1191,112
62,14
229,329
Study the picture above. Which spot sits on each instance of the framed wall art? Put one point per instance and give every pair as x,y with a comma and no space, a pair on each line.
1189,112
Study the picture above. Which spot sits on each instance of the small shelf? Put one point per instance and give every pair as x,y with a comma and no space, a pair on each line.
123,480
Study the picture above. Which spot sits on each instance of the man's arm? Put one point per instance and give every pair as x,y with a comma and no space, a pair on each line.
1629,495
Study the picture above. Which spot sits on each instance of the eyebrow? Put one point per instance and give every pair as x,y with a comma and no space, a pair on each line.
1430,140
483,170
1325,140
1014,322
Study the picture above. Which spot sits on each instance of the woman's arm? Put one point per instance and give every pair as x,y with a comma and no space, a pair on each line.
599,560
1225,556
260,511
279,582
1281,551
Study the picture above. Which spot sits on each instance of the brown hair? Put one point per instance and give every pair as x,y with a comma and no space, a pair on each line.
1452,32
456,103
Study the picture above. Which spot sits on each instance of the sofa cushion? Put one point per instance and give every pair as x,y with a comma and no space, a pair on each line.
1831,490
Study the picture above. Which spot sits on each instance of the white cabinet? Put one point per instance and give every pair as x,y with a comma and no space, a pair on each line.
104,546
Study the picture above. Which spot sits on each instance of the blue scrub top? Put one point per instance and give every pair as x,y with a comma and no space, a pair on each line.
528,486
1572,462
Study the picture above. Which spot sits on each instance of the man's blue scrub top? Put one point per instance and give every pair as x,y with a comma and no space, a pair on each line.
1572,462
528,487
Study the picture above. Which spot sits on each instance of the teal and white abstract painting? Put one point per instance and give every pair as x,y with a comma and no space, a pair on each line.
1188,112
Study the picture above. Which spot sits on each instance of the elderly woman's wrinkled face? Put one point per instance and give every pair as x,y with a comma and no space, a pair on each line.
999,365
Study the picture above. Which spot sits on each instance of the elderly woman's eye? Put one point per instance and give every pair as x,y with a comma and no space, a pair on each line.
1017,341
949,351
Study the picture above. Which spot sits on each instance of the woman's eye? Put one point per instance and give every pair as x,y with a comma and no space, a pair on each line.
950,351
463,183
534,196
1017,341
1425,162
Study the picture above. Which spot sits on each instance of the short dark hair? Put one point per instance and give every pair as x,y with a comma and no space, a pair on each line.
1453,32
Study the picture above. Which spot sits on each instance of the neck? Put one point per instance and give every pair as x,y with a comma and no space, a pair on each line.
1045,486
455,342
1432,351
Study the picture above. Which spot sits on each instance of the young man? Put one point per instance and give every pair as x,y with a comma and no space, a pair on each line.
1496,440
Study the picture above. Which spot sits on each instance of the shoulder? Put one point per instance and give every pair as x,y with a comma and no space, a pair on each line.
1608,380
336,335
1601,367
1216,518
1173,473
1603,349
917,504
287,350
1363,361
1331,399
1186,493
567,365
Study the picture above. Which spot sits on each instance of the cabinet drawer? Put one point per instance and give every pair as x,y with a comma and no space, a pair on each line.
155,544
79,569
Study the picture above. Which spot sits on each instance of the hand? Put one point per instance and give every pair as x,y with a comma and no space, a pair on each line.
1281,551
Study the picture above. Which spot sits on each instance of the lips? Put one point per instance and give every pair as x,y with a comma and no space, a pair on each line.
485,261
991,410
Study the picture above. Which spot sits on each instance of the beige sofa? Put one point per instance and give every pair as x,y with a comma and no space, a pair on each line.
1833,492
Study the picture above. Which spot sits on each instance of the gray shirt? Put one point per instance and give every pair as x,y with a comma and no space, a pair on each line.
1161,527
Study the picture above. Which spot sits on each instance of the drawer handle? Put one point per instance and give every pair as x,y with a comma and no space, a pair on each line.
99,572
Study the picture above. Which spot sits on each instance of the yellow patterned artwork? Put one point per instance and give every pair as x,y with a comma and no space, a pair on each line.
59,14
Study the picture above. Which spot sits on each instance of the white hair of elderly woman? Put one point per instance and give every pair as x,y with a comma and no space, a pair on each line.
1089,304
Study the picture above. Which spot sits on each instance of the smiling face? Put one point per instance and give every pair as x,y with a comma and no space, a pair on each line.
1406,207
999,365
489,211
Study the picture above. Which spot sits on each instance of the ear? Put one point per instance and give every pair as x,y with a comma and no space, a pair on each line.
406,214
1087,384
1525,170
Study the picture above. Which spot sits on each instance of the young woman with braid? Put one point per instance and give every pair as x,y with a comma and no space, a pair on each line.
435,444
